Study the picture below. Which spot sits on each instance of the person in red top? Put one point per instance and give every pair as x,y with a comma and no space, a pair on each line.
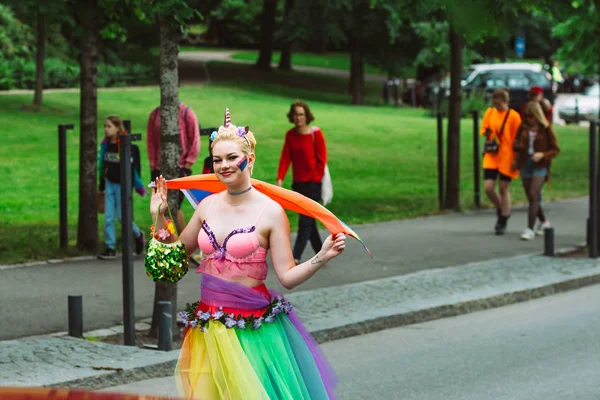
189,134
536,93
305,149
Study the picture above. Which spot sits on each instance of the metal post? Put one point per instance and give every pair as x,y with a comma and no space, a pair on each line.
413,94
440,157
549,242
127,238
476,162
62,184
127,125
75,316
593,174
396,92
386,92
165,324
576,110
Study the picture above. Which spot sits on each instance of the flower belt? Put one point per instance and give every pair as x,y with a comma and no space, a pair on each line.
201,319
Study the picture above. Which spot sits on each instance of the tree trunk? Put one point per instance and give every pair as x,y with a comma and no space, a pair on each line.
39,60
452,198
87,229
267,29
357,73
285,61
170,146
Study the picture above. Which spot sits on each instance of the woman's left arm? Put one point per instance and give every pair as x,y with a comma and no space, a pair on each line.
289,274
320,152
553,148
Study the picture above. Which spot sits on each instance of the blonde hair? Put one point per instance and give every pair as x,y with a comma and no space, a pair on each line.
246,142
535,109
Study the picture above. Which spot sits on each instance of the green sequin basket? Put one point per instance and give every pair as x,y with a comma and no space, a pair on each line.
166,262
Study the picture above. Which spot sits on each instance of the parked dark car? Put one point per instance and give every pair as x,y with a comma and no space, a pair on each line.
518,78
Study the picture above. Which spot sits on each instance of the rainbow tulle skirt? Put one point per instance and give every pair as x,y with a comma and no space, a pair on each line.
247,343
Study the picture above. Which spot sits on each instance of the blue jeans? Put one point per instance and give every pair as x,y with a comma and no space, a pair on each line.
112,203
530,170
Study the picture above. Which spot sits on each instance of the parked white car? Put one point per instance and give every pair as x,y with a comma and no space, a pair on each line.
584,107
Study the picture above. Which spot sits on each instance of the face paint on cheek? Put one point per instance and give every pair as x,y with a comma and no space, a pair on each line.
242,164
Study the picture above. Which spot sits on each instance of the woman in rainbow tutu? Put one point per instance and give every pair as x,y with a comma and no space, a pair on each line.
242,340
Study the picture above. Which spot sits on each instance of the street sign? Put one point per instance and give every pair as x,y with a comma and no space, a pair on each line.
520,45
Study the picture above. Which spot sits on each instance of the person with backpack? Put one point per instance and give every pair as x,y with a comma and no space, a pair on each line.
189,135
499,126
109,168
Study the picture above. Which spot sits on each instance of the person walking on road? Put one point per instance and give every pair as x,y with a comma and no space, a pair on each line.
189,134
109,168
536,145
499,126
242,340
304,147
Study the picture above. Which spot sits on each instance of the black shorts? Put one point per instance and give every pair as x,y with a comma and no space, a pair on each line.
492,174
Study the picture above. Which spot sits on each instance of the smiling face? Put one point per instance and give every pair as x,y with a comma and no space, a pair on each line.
230,163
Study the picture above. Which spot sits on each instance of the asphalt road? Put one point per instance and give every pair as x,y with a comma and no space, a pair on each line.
399,247
546,349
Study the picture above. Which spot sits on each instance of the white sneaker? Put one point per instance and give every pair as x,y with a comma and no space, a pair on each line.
527,234
541,227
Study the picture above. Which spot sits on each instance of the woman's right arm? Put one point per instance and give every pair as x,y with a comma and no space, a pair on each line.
189,236
517,143
284,161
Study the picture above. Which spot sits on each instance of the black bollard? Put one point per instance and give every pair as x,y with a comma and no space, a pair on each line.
165,325
75,316
127,238
62,184
593,176
476,162
549,242
440,158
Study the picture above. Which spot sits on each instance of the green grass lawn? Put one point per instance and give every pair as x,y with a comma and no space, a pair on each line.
328,60
382,159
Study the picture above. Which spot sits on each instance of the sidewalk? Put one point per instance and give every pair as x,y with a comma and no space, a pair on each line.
399,248
329,313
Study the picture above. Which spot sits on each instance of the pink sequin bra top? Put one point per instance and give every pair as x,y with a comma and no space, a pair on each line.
240,254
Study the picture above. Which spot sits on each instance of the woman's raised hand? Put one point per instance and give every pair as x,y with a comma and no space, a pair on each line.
159,196
334,246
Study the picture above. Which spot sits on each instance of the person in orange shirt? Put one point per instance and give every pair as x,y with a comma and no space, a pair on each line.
500,126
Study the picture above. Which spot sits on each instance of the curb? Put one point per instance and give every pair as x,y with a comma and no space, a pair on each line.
165,368
47,262
124,377
451,310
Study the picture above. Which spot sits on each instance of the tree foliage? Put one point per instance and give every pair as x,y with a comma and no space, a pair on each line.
16,38
578,27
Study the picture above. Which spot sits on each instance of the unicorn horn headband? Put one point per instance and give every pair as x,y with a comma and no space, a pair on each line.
241,131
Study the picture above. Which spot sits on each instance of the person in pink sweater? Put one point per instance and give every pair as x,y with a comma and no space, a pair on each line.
189,134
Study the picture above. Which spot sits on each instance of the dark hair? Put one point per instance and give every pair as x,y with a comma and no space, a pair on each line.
299,103
500,94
